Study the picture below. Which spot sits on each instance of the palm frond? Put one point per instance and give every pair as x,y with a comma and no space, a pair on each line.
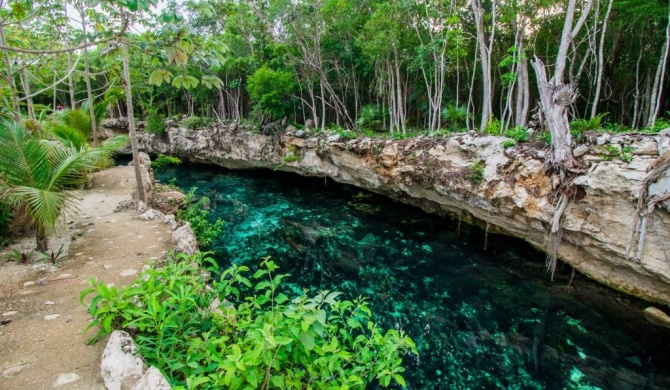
78,119
67,135
69,167
43,207
23,159
101,156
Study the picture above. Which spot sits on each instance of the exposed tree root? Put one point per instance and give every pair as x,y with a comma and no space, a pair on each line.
646,205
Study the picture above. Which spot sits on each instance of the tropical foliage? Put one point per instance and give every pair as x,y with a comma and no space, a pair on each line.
245,333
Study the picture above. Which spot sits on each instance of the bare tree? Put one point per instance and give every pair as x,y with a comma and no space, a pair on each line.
555,95
485,47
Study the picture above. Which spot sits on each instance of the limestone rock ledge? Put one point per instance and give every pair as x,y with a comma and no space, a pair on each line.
510,193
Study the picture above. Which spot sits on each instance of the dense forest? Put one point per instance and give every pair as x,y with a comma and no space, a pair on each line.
376,65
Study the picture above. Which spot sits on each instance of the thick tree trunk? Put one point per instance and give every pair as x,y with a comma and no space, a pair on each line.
131,123
555,100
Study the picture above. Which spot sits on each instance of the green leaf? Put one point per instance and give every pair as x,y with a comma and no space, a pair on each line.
321,316
400,380
159,76
307,340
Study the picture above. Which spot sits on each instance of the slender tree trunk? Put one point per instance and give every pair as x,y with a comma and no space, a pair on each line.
659,80
10,76
25,83
601,61
636,102
131,123
87,76
484,55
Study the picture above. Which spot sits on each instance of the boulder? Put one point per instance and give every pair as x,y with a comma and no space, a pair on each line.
646,146
151,214
153,379
122,366
184,239
657,317
580,150
389,156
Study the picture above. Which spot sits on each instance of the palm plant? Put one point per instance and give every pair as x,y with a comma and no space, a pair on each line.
455,115
35,176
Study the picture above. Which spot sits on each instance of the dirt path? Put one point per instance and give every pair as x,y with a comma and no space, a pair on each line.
43,346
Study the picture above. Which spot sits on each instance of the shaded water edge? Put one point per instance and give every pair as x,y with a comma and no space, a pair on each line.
482,318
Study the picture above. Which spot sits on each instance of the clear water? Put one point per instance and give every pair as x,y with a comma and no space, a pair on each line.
481,318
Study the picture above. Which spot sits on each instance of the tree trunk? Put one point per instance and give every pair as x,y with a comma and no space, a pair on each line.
601,61
131,123
87,76
657,91
25,83
41,241
478,12
10,76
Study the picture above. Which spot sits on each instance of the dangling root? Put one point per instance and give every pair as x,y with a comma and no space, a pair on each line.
645,206
565,191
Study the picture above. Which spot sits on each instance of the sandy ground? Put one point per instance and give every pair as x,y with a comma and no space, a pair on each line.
39,350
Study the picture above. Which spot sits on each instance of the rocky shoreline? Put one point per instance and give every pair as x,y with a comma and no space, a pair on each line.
472,178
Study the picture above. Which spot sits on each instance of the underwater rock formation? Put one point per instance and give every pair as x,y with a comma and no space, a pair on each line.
476,179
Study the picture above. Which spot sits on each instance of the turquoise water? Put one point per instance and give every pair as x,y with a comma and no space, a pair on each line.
481,318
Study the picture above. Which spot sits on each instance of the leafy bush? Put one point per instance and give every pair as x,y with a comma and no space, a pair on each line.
195,122
155,123
456,116
518,133
5,218
197,214
344,133
493,127
508,143
476,172
581,125
268,89
163,160
255,337
370,117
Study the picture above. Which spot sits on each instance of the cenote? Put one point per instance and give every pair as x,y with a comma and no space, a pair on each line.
481,317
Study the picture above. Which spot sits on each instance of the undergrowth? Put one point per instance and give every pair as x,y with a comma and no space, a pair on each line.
257,338
198,215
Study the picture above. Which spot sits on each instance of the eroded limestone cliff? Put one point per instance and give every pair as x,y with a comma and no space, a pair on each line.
510,193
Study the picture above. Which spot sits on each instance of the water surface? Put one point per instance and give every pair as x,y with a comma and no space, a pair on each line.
482,318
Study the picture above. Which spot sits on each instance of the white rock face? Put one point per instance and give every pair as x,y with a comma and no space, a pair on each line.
153,379
185,240
514,196
121,365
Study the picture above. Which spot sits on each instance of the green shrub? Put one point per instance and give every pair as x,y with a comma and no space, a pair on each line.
5,218
269,90
197,214
257,338
163,160
477,172
344,133
370,117
508,143
195,122
155,123
579,126
493,127
518,133
455,116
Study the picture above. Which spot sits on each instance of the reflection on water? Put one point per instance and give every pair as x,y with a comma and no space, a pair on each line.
481,319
